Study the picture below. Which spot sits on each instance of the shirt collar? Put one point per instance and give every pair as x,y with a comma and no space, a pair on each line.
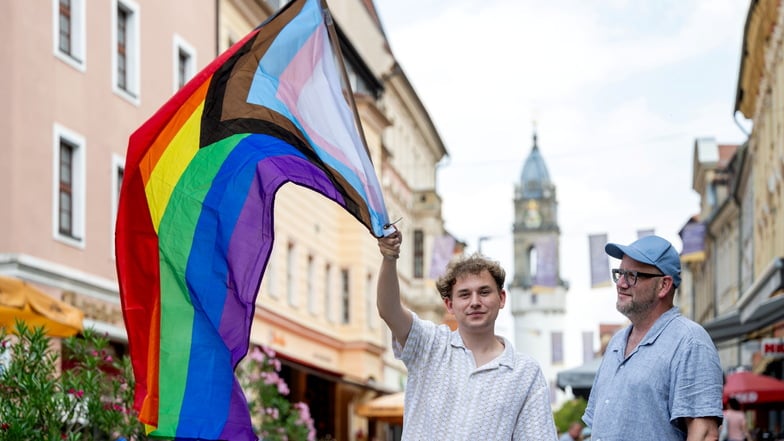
507,358
650,337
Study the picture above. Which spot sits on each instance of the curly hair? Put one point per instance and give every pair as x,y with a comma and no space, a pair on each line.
473,264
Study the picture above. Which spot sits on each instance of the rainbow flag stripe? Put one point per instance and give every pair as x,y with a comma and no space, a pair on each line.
195,220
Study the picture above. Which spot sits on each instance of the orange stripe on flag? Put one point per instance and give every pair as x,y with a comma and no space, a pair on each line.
168,133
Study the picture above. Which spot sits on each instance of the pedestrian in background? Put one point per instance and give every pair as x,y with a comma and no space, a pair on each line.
573,433
735,422
467,384
660,378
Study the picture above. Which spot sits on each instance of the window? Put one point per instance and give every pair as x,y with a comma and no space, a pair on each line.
588,354
357,83
118,170
311,285
345,296
271,276
291,280
277,4
67,153
69,32
556,346
184,62
328,310
125,55
69,191
419,254
65,26
533,263
370,300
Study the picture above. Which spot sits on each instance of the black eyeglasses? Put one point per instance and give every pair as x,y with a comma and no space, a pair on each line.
631,276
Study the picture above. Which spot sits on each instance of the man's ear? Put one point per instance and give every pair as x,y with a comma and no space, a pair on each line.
666,285
448,304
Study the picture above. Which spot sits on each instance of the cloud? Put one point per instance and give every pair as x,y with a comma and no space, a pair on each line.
619,91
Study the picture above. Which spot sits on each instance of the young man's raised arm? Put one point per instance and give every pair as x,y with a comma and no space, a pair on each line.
390,308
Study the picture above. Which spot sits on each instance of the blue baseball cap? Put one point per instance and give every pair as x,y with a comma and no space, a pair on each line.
651,250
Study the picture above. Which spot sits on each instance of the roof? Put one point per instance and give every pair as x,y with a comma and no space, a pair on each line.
760,23
535,178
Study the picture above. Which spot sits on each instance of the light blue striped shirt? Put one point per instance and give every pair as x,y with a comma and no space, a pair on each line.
673,373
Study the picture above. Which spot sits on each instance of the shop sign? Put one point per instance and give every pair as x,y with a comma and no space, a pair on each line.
773,347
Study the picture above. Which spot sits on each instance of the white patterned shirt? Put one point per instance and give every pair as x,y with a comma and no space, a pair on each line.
448,398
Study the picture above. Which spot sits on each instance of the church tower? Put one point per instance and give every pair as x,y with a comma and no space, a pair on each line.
536,231
537,293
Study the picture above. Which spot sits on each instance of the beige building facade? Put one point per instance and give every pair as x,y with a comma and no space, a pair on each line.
735,284
82,76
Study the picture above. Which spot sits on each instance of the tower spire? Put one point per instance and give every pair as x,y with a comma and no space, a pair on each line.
535,146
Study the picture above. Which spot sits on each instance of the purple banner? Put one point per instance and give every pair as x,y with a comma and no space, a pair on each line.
693,237
443,250
547,263
600,262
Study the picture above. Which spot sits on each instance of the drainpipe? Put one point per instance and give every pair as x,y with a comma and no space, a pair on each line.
217,28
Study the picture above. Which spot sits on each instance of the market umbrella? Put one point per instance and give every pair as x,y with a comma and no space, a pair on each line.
388,408
22,302
752,389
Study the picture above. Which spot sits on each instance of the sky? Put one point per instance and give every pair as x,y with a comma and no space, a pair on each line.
618,91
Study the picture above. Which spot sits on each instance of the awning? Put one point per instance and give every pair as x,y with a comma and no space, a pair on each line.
730,326
579,378
20,301
387,408
760,306
751,389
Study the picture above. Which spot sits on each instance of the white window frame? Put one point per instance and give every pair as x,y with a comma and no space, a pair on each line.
329,308
179,44
370,302
311,284
291,274
345,296
270,275
132,92
118,165
78,56
78,185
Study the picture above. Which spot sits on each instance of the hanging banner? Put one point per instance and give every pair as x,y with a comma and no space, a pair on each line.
546,277
443,250
693,237
600,262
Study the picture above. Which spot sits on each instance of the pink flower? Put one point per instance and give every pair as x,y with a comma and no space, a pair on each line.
273,412
269,351
76,393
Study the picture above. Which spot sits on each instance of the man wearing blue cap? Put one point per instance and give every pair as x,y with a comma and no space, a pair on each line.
660,378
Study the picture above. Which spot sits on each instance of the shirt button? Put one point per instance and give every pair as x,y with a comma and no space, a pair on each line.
605,402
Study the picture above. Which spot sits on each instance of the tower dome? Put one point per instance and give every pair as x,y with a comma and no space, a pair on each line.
535,180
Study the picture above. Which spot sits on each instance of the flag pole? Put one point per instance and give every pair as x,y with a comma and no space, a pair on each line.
333,37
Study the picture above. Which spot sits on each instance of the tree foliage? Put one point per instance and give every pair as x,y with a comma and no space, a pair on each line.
570,412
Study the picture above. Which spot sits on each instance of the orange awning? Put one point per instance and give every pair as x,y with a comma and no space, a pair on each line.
388,408
20,301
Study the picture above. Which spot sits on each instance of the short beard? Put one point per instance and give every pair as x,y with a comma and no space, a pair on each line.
635,308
